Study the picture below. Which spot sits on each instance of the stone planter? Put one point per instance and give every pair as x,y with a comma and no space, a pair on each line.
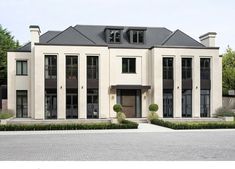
228,118
114,121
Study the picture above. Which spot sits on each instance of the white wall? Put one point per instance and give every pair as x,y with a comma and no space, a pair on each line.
18,82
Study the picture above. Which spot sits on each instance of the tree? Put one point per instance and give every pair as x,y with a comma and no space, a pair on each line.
7,42
228,70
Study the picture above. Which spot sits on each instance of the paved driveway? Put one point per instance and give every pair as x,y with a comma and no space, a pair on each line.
186,145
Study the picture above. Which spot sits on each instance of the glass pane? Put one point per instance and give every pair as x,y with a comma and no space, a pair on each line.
124,65
24,68
18,67
117,36
141,37
68,60
132,65
134,36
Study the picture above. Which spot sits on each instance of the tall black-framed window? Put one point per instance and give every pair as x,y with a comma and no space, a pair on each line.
128,65
167,103
167,68
186,68
21,67
92,67
205,68
50,104
71,104
137,36
186,103
50,67
71,67
92,103
114,36
205,103
21,104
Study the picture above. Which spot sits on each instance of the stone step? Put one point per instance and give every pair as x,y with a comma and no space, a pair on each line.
138,120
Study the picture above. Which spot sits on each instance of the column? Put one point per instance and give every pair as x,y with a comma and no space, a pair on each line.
196,87
177,93
61,87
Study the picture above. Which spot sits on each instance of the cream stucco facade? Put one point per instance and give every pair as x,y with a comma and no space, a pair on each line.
149,72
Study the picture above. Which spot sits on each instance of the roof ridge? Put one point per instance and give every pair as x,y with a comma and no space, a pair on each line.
125,26
58,34
84,35
191,37
168,37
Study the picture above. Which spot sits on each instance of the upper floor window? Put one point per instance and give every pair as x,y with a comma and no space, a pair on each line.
128,65
71,67
92,67
114,36
167,68
21,67
205,68
137,36
50,67
186,68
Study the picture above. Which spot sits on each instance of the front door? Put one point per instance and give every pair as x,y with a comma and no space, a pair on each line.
130,101
72,106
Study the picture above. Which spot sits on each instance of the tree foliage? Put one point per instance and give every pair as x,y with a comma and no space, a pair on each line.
7,42
229,69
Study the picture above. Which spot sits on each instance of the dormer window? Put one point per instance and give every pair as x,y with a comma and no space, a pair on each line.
136,35
115,36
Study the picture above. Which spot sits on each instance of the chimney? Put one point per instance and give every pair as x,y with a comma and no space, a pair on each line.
208,39
35,34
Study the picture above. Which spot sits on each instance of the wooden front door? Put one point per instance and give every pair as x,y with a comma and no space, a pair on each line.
128,103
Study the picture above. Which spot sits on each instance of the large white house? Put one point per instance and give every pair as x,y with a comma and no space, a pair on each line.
83,71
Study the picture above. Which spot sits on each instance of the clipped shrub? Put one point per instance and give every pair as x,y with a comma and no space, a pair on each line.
117,108
5,114
152,116
121,117
153,107
94,126
224,112
193,125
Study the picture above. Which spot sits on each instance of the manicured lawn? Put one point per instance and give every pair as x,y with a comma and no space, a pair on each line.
194,125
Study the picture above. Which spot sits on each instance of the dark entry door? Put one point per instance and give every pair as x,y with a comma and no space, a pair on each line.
71,106
187,103
168,103
130,101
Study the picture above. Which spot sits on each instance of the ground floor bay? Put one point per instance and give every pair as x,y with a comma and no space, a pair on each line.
134,101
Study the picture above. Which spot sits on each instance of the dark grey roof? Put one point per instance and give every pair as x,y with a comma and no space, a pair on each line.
179,38
43,39
94,35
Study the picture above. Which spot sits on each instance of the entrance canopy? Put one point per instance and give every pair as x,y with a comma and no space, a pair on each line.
130,87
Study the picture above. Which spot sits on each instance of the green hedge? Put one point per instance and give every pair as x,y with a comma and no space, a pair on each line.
194,125
30,127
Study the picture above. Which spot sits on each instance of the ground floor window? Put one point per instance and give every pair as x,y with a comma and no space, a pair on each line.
51,104
72,104
92,103
21,104
167,103
186,103
130,101
205,103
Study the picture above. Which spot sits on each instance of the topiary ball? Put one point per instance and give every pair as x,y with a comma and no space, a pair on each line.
153,107
117,108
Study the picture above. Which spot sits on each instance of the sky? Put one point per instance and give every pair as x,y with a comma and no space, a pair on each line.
194,17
